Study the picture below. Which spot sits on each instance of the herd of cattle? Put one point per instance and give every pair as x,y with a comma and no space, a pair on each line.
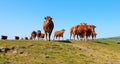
82,31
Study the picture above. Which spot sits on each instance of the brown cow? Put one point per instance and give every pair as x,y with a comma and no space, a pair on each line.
83,30
86,30
59,33
3,37
42,36
38,34
91,31
48,26
73,31
93,35
33,35
16,37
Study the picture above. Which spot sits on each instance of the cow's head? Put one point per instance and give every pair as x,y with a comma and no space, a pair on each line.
92,27
48,18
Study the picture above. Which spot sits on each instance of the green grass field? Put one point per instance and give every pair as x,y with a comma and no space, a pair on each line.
100,51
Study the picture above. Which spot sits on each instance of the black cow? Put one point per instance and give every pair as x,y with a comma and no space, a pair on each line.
3,37
16,37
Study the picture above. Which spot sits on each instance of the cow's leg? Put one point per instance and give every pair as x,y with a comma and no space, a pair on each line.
74,36
34,38
56,37
46,35
80,37
77,37
38,38
49,36
85,36
62,38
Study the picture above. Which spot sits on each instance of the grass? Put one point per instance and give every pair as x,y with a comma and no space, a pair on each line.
100,51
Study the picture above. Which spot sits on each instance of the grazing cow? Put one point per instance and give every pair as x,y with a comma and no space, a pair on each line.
3,37
42,36
16,37
91,31
48,26
38,34
93,34
33,35
59,33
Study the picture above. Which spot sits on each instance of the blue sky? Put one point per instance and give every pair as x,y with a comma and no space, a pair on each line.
21,17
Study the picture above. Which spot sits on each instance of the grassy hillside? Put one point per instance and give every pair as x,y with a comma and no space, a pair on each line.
55,52
115,38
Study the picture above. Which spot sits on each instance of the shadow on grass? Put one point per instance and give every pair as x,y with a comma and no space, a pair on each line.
64,41
101,42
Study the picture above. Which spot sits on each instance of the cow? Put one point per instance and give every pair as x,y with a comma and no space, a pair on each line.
59,34
80,31
42,36
93,34
38,34
73,31
83,30
91,31
48,27
16,37
3,37
26,38
33,35
86,30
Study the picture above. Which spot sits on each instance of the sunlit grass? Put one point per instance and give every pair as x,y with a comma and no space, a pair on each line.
99,51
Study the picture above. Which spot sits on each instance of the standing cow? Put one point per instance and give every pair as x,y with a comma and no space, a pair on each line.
73,31
16,37
59,34
48,26
26,38
3,37
93,34
33,35
38,34
42,36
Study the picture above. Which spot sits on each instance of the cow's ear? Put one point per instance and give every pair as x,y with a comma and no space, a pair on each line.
51,18
45,18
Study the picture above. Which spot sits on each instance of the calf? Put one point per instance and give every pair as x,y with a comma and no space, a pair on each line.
33,35
59,33
42,36
38,34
